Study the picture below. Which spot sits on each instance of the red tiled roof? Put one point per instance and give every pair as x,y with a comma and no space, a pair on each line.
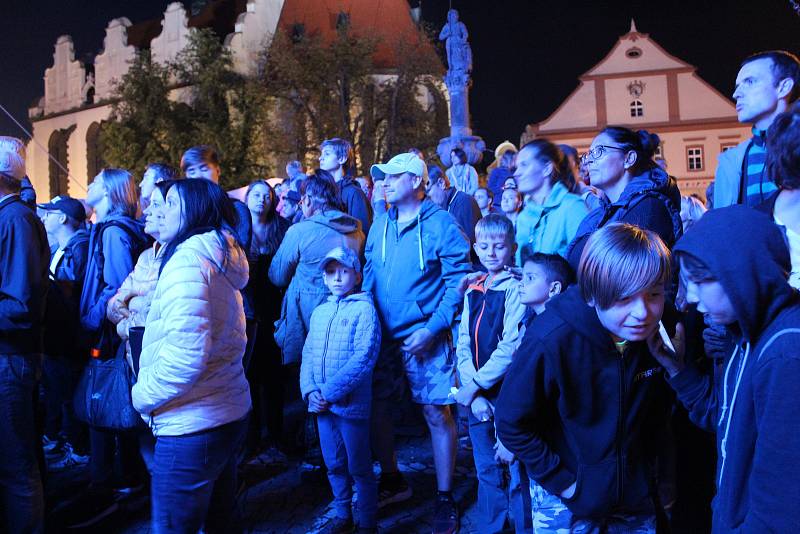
390,20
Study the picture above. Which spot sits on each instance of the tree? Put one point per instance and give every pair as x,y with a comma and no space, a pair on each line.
161,110
324,89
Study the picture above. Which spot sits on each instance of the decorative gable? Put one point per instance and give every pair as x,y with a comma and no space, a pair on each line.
174,34
64,81
113,61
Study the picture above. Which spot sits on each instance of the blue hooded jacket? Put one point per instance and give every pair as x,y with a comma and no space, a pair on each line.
120,250
754,409
414,273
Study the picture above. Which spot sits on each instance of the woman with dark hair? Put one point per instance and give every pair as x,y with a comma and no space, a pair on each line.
191,389
262,303
296,264
783,168
462,175
552,214
635,189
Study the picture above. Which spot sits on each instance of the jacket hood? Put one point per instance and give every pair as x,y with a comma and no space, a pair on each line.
337,220
553,200
499,282
207,245
428,208
652,180
574,311
129,222
745,251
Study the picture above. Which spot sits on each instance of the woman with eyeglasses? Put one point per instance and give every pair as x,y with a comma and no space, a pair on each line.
635,190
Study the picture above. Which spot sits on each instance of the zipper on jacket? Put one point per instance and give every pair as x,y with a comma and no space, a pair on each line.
620,424
327,335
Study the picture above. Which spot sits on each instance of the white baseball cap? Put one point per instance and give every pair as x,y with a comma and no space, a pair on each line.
405,162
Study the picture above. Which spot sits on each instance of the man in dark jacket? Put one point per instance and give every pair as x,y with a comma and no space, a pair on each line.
336,157
457,203
65,349
583,397
23,289
736,264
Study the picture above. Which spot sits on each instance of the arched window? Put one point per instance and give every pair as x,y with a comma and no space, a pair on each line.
94,151
637,108
57,146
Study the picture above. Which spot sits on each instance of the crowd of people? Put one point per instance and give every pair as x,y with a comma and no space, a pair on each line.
153,331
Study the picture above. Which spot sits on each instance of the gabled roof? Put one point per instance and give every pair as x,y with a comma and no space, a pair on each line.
636,53
390,20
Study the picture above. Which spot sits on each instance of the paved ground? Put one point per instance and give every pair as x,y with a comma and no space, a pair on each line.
292,496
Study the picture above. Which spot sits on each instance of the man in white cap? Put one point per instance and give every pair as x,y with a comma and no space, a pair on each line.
24,256
416,255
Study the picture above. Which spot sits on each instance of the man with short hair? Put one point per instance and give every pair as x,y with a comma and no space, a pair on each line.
484,198
337,157
457,203
767,84
23,289
154,173
416,255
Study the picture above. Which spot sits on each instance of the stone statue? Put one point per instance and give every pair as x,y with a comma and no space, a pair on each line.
459,53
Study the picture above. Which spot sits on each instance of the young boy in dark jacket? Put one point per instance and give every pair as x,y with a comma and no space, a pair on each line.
578,408
736,263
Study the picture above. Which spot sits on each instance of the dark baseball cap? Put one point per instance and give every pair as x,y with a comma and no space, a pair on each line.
67,206
292,196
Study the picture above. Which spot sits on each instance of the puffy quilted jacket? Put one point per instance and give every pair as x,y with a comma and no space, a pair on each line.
340,352
191,376
136,292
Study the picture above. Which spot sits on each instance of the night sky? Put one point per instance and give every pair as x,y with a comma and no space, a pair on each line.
528,54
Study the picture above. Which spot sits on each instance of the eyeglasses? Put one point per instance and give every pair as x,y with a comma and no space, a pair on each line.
598,152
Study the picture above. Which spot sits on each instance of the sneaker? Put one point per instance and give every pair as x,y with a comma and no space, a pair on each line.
87,509
128,492
68,460
335,525
445,516
392,489
49,444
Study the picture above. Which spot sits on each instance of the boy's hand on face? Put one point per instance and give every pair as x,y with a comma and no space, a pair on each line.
418,342
502,454
671,360
467,394
482,410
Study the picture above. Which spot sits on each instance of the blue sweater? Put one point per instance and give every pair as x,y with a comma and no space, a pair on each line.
754,409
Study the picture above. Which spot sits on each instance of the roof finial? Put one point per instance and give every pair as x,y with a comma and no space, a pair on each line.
633,26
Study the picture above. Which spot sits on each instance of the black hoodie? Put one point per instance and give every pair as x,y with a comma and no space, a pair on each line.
755,409
573,409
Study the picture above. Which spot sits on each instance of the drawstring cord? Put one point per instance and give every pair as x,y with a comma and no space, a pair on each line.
724,442
419,242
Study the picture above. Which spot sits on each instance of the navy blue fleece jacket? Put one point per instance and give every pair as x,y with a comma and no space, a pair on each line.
755,409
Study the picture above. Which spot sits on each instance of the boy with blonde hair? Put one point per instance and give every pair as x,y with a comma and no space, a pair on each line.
487,338
581,408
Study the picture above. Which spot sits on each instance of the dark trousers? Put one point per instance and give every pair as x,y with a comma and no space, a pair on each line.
60,376
105,445
194,480
21,493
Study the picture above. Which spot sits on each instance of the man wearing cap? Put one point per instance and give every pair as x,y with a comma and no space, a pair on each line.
65,350
23,289
416,256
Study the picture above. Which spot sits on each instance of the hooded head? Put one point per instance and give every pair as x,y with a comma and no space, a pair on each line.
745,252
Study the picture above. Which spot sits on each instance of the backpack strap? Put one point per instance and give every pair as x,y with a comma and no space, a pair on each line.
775,337
135,238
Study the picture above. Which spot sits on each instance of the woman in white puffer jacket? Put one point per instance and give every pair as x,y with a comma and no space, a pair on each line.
191,387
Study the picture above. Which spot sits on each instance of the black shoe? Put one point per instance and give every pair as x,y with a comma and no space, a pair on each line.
87,509
445,515
392,488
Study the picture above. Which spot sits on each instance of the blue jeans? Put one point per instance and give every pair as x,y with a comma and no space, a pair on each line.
502,492
346,449
194,480
21,494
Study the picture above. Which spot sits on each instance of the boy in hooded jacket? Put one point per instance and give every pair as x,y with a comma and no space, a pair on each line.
736,264
336,380
580,408
487,338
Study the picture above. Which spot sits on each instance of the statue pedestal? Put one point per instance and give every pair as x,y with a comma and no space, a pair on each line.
472,145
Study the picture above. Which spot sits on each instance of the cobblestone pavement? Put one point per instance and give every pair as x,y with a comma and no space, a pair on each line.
291,496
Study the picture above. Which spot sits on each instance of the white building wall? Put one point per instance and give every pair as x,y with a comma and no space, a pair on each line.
578,111
64,80
174,34
113,62
254,30
654,98
699,101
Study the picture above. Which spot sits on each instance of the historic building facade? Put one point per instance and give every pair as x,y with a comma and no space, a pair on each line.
641,86
77,95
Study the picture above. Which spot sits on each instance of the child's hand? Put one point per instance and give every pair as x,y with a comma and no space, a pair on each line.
482,410
672,360
316,403
515,272
467,394
502,454
467,280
